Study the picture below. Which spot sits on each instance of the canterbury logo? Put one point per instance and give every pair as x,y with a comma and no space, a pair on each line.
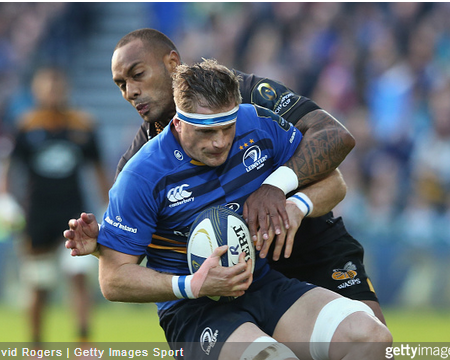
178,193
348,272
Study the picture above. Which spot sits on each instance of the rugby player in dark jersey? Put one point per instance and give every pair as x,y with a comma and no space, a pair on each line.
53,142
323,252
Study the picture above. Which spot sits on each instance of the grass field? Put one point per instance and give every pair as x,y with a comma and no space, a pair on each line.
113,322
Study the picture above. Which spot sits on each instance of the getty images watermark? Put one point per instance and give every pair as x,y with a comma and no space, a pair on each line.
418,351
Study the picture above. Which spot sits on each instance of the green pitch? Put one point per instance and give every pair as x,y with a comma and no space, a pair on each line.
419,325
111,322
117,322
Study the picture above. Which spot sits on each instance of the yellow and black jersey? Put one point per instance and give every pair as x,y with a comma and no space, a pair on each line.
53,145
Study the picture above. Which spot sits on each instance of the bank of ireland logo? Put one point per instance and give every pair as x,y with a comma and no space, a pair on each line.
208,339
178,193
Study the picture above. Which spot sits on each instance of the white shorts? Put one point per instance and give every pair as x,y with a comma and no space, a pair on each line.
74,265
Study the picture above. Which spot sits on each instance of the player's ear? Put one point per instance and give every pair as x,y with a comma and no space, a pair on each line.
172,60
177,124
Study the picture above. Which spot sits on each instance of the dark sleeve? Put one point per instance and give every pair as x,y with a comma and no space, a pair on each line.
139,140
275,96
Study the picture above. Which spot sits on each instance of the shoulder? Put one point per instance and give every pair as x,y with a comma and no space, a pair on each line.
266,92
154,158
275,96
80,120
254,115
30,120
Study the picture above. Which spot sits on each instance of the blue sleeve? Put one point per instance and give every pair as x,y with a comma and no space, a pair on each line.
285,137
130,220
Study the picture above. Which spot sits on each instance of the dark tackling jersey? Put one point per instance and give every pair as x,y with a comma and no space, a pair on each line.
313,232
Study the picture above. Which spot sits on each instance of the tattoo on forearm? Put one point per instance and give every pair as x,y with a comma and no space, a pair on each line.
324,146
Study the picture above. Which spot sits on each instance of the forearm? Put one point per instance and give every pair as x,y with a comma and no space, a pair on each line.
325,144
326,194
126,281
122,279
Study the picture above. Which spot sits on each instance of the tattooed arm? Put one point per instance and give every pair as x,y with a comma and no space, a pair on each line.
325,144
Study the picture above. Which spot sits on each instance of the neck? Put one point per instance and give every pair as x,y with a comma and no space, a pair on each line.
174,132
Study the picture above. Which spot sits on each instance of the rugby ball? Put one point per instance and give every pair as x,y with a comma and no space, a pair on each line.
215,227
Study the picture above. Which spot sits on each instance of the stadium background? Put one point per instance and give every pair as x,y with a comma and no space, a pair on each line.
382,69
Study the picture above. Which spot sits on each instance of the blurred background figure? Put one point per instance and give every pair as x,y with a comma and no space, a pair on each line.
51,144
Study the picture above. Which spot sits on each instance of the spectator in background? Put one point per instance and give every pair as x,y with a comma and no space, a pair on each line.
424,221
52,143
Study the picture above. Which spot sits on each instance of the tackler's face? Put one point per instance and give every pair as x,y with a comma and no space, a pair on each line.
211,144
144,79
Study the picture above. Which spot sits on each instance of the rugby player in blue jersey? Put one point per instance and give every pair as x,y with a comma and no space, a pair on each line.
202,150
142,65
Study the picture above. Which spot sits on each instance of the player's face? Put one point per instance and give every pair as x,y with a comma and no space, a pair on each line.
209,145
144,79
50,89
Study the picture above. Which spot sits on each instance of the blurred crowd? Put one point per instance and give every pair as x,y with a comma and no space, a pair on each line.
33,34
382,69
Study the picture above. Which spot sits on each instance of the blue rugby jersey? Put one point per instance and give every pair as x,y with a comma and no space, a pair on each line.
161,189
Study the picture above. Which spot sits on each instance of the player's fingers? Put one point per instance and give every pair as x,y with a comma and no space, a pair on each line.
259,241
284,216
239,268
219,251
68,234
263,221
73,223
289,244
74,252
279,242
243,280
252,223
243,285
250,265
267,243
88,218
245,212
274,223
265,249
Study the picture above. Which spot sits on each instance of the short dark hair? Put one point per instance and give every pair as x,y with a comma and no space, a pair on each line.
207,84
153,38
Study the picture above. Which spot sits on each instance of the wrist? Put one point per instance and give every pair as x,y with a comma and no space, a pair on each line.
283,178
96,252
303,202
181,286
